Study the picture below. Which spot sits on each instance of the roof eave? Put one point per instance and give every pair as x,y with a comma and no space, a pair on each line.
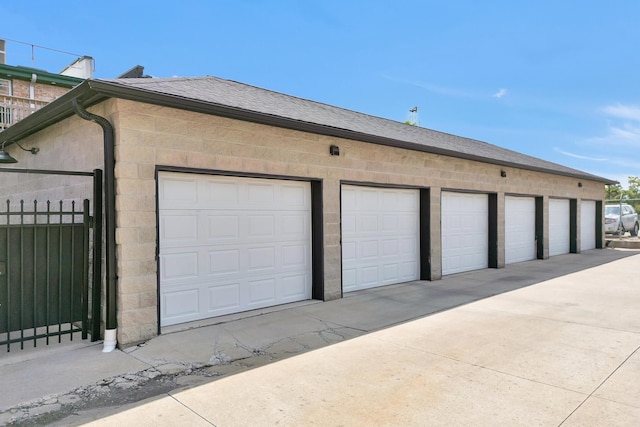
91,92
26,73
51,113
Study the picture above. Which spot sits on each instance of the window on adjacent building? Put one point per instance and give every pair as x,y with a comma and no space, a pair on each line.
5,112
5,87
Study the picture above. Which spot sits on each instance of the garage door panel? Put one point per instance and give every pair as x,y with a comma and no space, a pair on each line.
248,246
293,226
452,263
221,192
293,287
369,276
368,199
368,249
348,223
180,265
409,247
390,272
261,259
559,227
389,223
408,270
261,226
520,229
379,232
222,299
407,223
262,292
224,262
390,247
180,227
348,200
367,223
179,191
294,197
261,195
587,225
465,233
223,227
181,303
257,226
293,256
389,198
349,251
407,202
349,278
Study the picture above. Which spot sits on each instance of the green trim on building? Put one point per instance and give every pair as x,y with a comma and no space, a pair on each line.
44,77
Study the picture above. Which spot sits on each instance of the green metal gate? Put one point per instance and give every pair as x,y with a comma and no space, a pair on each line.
50,269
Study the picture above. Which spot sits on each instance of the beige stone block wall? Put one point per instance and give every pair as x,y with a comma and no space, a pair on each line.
71,145
151,135
435,230
545,232
148,136
501,230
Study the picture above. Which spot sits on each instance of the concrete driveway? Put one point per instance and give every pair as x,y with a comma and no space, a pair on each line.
561,352
550,343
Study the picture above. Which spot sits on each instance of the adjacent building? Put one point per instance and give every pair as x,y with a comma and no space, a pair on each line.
24,90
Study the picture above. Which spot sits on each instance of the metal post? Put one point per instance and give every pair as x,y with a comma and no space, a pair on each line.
85,270
96,289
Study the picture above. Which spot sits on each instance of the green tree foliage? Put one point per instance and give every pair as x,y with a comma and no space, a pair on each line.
631,195
614,191
634,187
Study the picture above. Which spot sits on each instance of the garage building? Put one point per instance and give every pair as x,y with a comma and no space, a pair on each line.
231,198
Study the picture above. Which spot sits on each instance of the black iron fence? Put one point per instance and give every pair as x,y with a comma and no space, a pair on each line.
50,270
45,273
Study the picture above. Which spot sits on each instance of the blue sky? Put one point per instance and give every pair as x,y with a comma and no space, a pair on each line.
553,79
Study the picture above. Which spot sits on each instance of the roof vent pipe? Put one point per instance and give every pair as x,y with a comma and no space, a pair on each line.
110,222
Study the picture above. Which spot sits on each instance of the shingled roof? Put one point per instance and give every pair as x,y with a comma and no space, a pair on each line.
233,99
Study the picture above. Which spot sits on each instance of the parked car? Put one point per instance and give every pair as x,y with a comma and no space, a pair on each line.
616,223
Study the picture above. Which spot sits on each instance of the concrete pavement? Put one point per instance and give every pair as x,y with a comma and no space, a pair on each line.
561,352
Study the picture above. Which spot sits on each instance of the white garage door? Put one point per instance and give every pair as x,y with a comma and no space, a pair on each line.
465,232
559,227
380,236
520,229
587,225
230,244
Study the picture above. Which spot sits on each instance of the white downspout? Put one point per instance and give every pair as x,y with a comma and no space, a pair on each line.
110,340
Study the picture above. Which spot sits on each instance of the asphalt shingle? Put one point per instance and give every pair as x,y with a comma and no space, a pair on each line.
213,90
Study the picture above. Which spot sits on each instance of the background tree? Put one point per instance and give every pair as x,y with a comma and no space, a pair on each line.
631,195
633,192
634,187
614,191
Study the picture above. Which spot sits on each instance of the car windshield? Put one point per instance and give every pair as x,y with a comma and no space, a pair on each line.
615,210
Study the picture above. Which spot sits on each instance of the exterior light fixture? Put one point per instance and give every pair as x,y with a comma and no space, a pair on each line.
334,150
7,158
503,174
